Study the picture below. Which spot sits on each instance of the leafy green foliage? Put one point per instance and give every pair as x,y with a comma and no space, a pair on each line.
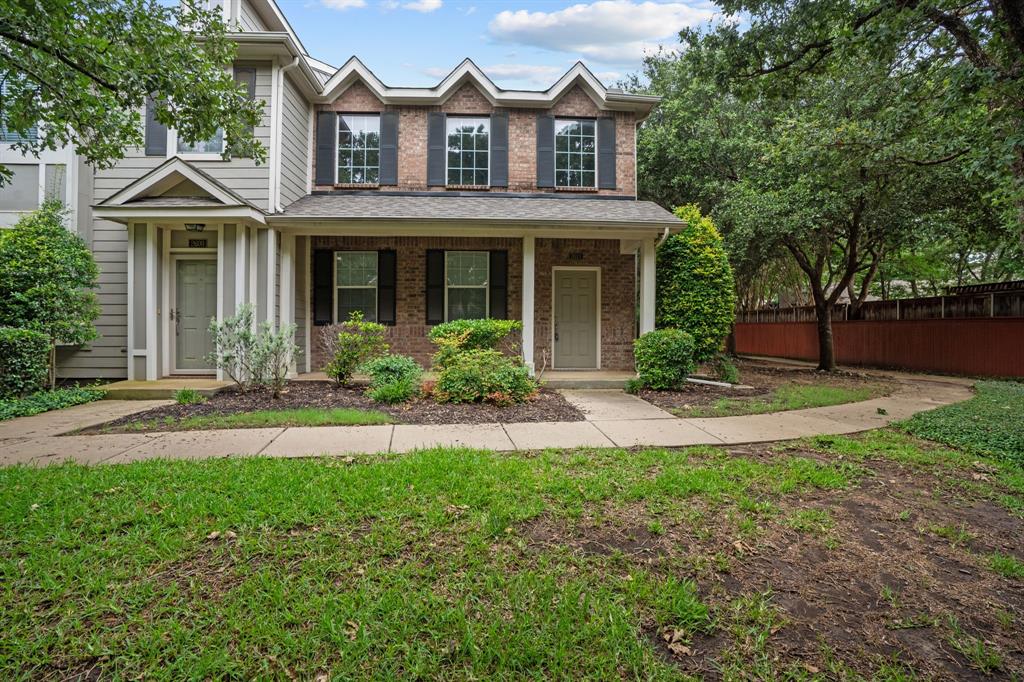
24,361
253,357
44,401
189,396
46,276
397,391
350,344
88,85
393,378
695,287
458,336
725,369
664,358
987,424
484,375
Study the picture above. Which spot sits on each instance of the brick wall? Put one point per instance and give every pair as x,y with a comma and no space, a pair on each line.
409,335
468,100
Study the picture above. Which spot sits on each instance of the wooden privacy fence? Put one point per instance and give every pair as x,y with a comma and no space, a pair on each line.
979,346
994,304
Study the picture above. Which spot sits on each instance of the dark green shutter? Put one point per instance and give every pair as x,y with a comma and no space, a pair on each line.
389,148
156,132
387,272
435,286
323,287
326,146
437,149
606,153
545,150
499,285
499,148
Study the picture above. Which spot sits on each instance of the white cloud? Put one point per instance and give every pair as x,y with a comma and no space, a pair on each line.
344,4
607,31
423,5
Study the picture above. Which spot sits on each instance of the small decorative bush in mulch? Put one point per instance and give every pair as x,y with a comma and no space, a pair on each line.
546,406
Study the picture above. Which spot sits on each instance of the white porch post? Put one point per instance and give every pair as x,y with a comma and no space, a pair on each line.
529,280
288,287
271,277
648,258
151,317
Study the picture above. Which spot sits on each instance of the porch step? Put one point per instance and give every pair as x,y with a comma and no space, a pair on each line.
586,379
161,389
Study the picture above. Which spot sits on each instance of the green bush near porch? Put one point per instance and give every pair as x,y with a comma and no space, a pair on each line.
24,361
459,336
484,375
664,358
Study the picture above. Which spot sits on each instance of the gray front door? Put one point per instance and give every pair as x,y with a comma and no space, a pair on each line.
575,319
195,306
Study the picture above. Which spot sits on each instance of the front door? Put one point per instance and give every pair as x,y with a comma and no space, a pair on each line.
575,319
195,306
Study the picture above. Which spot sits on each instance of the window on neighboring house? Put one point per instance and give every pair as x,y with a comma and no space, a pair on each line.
466,275
8,136
22,192
355,279
575,153
214,145
358,149
468,151
55,182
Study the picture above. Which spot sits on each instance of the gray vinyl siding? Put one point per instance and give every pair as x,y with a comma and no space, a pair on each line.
248,19
294,144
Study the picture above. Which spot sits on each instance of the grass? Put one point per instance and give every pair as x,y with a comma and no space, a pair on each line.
44,401
1006,565
308,416
785,397
989,424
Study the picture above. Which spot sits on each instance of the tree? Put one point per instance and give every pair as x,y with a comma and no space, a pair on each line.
975,48
83,69
47,274
695,286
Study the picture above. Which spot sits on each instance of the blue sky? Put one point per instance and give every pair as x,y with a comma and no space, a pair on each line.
519,43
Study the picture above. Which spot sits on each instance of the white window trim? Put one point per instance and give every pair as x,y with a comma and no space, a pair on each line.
447,168
486,286
555,154
172,149
375,287
337,149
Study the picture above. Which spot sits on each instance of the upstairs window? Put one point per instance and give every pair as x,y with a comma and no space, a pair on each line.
355,280
575,153
466,275
358,149
214,145
469,151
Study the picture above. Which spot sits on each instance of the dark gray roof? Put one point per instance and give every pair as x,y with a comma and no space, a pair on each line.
482,208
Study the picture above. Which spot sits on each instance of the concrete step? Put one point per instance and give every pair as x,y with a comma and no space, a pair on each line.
586,379
161,389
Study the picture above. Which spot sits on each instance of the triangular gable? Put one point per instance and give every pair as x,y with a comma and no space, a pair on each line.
176,177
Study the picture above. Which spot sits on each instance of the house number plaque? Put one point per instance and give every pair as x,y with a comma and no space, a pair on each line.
197,243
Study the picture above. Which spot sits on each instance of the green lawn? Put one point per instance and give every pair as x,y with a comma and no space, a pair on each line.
437,564
786,397
309,416
991,423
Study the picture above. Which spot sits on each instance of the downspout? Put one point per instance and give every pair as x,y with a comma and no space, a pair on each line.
662,238
278,118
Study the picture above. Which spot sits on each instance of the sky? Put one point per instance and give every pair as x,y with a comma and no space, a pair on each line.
520,44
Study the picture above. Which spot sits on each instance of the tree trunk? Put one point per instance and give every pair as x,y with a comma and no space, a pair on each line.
826,347
53,365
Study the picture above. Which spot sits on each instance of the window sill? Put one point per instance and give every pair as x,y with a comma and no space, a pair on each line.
592,190
356,185
469,188
201,156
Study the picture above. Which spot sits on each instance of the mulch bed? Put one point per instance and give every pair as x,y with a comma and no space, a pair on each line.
546,406
763,380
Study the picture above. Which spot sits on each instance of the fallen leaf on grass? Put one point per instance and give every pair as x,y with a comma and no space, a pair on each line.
351,629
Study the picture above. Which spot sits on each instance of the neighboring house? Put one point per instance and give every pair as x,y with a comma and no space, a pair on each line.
411,205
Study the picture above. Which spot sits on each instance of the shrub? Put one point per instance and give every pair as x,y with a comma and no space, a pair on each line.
725,369
275,351
260,358
695,288
388,369
46,276
350,344
24,361
484,374
459,336
664,358
634,386
393,392
44,401
189,396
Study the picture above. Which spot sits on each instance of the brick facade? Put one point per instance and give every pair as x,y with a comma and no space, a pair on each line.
409,335
522,136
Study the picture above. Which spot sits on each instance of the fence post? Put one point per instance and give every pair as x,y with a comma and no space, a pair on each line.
992,304
942,307
897,310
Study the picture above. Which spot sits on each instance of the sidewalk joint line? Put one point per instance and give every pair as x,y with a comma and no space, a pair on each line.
271,441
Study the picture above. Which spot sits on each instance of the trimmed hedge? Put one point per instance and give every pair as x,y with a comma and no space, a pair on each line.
44,401
24,361
664,358
484,375
696,291
459,336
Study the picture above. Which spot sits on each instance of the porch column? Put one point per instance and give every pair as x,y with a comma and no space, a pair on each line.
151,305
648,259
529,280
287,292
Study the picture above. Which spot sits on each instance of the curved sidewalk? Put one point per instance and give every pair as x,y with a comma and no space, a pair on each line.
613,419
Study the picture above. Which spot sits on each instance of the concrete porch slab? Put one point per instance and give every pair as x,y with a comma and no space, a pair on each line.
162,389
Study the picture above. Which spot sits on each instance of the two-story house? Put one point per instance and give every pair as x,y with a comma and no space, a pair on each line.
411,205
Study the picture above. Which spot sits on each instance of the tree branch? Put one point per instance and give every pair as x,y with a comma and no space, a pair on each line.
27,42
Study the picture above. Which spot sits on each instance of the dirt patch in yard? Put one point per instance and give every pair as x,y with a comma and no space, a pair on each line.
546,406
891,573
764,381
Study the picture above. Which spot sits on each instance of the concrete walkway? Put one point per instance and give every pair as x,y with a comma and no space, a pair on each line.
613,419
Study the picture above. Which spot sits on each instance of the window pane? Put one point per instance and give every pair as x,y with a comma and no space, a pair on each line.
55,181
575,159
22,193
467,304
467,268
359,148
468,143
357,300
357,268
214,145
